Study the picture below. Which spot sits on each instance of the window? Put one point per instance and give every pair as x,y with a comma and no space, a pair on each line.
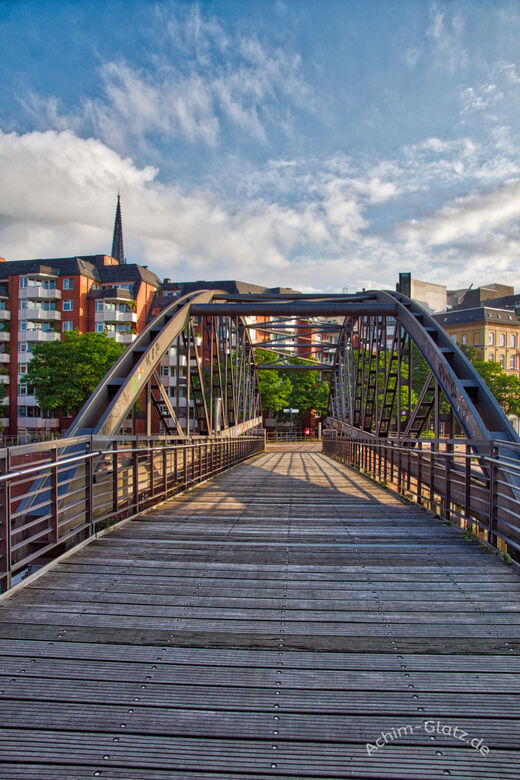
164,370
464,338
100,327
68,283
491,356
49,284
66,326
22,303
124,308
22,346
23,281
512,361
22,324
22,389
491,337
502,360
67,305
100,305
502,340
512,340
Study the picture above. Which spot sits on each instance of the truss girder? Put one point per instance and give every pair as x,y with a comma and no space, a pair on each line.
375,363
374,384
214,380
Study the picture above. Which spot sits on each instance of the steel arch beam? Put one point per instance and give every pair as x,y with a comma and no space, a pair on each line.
109,405
475,407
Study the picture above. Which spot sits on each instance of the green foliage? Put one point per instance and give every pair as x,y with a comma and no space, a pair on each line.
65,373
505,387
303,390
274,389
308,390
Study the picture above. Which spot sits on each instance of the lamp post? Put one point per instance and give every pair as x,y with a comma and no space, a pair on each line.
291,412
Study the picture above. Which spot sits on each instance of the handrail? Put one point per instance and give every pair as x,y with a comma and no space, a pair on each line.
67,499
483,500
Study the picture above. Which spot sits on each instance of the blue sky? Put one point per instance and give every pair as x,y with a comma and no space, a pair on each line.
322,145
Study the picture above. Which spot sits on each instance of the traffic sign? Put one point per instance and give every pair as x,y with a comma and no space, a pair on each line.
291,411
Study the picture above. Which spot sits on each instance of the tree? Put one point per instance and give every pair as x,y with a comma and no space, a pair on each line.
309,392
505,387
65,373
274,389
303,390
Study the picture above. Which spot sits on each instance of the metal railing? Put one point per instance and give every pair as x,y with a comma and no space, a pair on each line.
55,495
475,484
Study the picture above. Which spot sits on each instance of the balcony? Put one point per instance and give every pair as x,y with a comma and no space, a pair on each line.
5,335
27,400
5,314
171,360
40,335
39,292
5,357
38,422
4,379
116,316
123,338
40,314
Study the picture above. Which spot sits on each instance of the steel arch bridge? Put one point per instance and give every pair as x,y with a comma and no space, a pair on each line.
394,371
406,408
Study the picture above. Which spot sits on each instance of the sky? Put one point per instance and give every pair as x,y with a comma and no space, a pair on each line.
325,146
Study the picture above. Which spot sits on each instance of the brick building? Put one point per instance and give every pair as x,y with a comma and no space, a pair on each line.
42,299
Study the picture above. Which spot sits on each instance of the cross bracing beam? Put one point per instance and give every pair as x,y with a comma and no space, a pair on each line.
295,309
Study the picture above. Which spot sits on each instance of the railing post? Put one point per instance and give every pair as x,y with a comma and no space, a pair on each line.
54,493
135,464
492,528
467,486
151,461
115,475
5,526
89,479
419,471
432,475
447,483
164,456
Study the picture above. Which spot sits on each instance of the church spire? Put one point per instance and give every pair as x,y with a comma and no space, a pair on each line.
117,241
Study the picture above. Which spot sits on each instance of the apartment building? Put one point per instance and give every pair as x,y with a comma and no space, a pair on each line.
493,332
40,300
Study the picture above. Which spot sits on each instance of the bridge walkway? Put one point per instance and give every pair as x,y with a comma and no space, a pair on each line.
270,623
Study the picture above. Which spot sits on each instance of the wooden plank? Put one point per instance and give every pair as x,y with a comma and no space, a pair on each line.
267,624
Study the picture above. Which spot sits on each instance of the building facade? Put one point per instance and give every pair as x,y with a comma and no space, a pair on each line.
40,300
493,333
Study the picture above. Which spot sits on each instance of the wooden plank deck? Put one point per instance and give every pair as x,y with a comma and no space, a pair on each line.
270,623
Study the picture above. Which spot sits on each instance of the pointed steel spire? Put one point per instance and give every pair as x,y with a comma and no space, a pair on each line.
117,242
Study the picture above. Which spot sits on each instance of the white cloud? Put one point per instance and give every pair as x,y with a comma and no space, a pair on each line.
306,223
200,81
445,34
472,215
481,99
